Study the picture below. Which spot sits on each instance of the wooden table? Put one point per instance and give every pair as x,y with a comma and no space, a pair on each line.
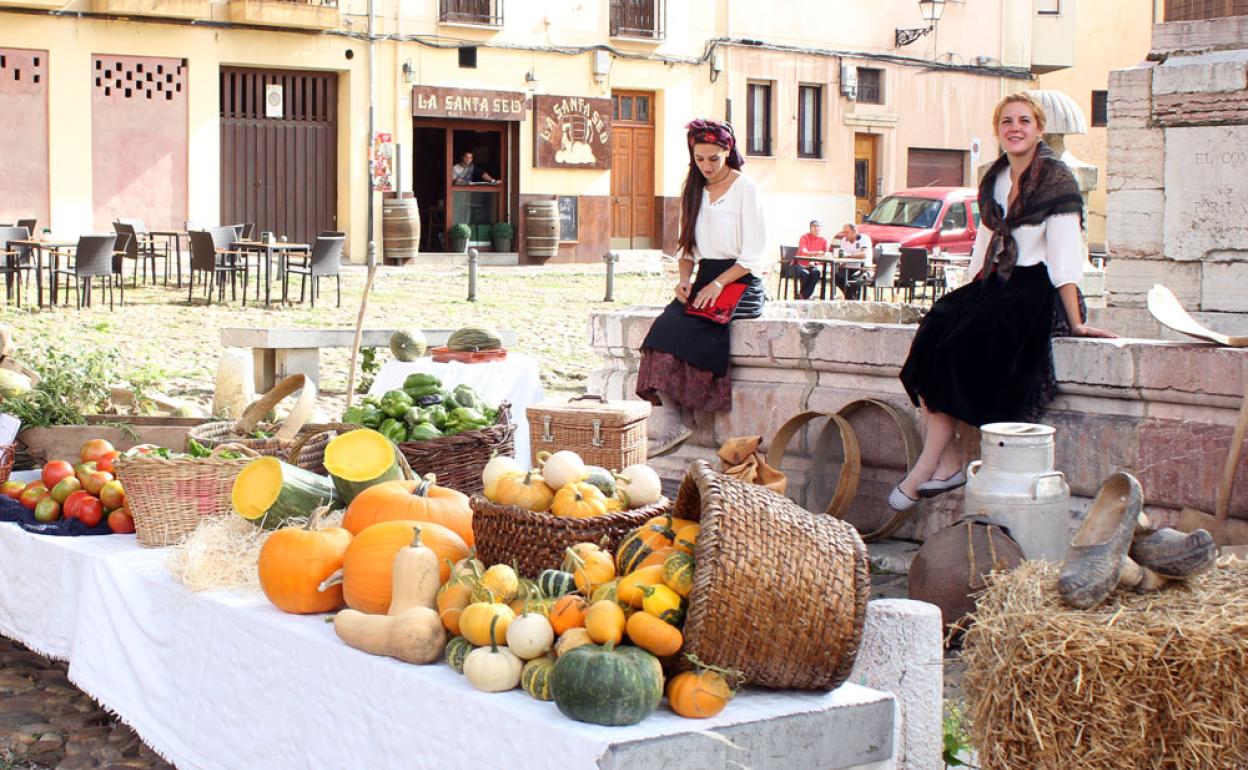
282,249
176,237
833,264
39,247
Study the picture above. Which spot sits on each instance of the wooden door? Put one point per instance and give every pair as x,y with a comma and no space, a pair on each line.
866,174
632,170
279,165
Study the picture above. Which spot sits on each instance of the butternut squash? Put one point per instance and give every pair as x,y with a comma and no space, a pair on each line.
411,630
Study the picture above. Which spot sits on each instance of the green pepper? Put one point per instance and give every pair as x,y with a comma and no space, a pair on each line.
465,415
423,432
371,400
490,414
394,403
393,430
413,416
435,415
421,380
466,396
367,415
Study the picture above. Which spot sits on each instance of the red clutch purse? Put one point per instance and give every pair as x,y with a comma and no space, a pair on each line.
719,311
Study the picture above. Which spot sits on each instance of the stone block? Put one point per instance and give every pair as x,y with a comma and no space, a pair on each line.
758,409
1136,159
1223,286
1088,448
1129,281
1180,37
1180,464
1192,374
1101,363
1131,96
864,345
1212,72
1133,226
902,653
1206,202
1200,109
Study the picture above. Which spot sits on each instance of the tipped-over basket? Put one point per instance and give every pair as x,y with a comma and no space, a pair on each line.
508,534
779,593
286,434
170,498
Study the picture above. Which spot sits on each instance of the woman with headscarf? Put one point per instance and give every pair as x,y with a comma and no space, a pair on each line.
984,353
684,363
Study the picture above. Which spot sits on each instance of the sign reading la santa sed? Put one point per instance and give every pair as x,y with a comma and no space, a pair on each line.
467,103
571,132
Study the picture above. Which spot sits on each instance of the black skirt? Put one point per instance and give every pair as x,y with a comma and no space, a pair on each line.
984,352
697,341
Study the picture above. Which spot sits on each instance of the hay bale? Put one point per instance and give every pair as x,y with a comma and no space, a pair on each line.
1157,680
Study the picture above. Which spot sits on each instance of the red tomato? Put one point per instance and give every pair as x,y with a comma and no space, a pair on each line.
90,510
94,449
121,522
30,496
105,463
69,509
12,488
54,471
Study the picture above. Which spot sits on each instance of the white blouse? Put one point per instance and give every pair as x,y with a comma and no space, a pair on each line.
733,227
1057,242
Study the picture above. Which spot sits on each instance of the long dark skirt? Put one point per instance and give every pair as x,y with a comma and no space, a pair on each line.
984,352
686,356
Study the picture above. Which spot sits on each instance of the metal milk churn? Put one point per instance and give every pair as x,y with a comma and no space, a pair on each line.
1015,486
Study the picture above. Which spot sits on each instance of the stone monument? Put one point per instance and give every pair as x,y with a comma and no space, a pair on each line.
1178,178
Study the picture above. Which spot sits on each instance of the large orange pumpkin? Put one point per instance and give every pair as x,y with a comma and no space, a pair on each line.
421,500
368,564
293,562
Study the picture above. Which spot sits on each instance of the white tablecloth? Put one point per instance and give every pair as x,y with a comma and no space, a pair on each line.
516,378
225,680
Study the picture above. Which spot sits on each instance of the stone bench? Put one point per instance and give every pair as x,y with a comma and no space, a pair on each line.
279,353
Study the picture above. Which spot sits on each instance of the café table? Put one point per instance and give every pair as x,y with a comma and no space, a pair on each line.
281,248
833,264
174,237
53,250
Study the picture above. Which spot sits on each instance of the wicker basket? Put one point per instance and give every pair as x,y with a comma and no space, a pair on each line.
286,433
779,593
8,453
458,460
508,534
610,434
169,498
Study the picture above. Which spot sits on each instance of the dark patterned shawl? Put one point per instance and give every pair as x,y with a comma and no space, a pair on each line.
1046,187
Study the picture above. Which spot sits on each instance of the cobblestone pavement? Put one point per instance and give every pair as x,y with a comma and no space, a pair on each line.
47,723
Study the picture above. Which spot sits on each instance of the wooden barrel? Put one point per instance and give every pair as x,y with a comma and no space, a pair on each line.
541,228
400,230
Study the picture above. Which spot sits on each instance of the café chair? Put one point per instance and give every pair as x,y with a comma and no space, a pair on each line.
325,260
885,276
215,263
913,271
93,258
787,253
148,248
13,267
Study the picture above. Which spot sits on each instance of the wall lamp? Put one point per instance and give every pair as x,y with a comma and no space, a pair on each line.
530,80
409,72
931,11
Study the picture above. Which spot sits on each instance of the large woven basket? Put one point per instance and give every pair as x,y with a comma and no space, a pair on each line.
458,460
779,593
8,453
532,542
286,434
170,498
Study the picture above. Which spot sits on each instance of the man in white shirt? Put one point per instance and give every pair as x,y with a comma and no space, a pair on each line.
858,246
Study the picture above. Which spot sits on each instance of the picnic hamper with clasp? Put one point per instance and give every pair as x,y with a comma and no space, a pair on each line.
779,593
286,434
609,434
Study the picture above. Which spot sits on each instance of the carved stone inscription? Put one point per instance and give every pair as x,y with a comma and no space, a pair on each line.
1206,207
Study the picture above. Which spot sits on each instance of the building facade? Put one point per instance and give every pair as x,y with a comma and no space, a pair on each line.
207,111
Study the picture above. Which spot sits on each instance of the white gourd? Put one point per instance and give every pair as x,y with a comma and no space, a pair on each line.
493,669
640,484
562,468
496,468
530,636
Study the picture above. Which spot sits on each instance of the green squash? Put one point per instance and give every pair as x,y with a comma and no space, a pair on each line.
535,676
554,583
606,686
457,650
408,344
678,573
473,338
601,478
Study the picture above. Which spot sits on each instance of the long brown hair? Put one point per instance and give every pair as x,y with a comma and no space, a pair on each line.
691,195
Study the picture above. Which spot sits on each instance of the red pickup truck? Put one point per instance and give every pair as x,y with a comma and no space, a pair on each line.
947,217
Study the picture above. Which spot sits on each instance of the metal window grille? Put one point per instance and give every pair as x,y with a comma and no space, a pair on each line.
809,121
326,3
638,18
1195,10
487,12
870,85
1100,108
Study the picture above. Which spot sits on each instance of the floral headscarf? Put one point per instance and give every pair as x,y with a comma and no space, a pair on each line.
704,131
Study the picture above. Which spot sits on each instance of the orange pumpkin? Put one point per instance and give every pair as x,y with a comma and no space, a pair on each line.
294,561
590,566
421,500
368,564
658,556
568,613
454,596
698,694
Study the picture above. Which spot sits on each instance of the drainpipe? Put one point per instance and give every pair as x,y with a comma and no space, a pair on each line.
372,106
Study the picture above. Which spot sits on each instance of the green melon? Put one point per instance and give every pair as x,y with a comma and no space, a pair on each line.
473,338
408,344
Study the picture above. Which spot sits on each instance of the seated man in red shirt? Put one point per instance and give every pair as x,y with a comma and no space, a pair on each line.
811,244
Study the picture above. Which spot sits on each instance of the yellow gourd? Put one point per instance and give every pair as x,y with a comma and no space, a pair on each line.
687,538
678,572
590,566
579,500
477,621
605,622
527,491
663,603
411,630
502,582
571,639
629,591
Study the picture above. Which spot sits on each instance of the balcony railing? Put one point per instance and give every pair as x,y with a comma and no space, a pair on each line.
638,18
1196,10
485,12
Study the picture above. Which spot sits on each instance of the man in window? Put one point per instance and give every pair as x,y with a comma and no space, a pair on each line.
811,244
855,245
467,172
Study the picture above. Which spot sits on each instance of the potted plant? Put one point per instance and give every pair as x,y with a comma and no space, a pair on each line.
460,234
502,233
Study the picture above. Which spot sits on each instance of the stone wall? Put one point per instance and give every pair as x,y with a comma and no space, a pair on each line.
1161,410
1178,158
